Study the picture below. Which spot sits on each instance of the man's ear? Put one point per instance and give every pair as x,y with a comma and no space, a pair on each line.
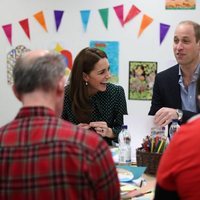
18,96
198,43
61,85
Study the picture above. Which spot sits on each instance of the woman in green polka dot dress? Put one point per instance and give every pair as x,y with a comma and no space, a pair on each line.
90,101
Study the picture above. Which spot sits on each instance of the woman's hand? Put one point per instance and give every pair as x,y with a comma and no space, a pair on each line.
84,125
102,129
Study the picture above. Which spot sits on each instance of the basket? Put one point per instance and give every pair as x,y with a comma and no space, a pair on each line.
149,160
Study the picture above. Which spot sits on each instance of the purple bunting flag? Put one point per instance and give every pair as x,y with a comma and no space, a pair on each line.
164,28
58,14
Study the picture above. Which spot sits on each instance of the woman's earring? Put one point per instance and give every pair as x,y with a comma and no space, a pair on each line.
86,83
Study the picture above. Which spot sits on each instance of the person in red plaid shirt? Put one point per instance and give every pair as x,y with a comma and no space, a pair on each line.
43,156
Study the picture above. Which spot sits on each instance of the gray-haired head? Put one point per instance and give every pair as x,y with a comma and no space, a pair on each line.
38,70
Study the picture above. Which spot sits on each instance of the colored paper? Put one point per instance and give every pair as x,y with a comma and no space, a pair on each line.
146,21
104,16
132,13
8,32
137,171
119,10
58,14
67,55
11,60
85,14
164,28
180,4
58,47
41,20
68,58
112,50
25,26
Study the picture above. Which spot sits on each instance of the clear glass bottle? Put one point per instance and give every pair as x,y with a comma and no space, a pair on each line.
173,128
124,146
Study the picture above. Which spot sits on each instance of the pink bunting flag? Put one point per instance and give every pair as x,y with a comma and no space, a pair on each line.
58,14
25,26
8,32
132,13
119,10
164,28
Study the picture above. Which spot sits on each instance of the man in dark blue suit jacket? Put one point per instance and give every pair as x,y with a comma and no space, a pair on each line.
172,84
175,96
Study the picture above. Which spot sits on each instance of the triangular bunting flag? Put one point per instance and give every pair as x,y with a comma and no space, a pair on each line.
164,28
8,31
146,20
85,14
132,13
25,26
58,14
104,16
40,18
58,48
119,10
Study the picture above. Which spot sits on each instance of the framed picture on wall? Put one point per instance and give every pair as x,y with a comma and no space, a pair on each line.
141,79
180,4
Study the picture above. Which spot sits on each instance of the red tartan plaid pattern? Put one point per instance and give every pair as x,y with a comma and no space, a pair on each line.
42,156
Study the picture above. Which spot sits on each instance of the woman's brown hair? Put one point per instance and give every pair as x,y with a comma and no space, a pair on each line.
83,63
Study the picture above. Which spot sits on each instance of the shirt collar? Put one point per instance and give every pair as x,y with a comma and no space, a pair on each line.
195,75
35,112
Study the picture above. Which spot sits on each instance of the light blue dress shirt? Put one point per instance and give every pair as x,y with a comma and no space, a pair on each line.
188,95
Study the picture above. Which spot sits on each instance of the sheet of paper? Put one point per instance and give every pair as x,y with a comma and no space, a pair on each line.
139,127
137,171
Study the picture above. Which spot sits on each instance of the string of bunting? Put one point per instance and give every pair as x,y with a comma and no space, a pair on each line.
85,15
39,17
132,13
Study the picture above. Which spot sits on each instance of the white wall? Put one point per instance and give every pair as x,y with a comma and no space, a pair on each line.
72,37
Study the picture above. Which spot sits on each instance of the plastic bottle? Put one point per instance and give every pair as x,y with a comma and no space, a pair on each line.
173,128
124,146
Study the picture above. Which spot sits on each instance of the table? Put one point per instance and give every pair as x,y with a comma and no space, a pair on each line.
147,187
150,179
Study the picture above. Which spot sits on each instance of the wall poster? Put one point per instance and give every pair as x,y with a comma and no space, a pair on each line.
111,48
141,79
180,4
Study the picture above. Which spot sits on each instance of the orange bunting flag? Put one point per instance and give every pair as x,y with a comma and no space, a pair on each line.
132,13
25,26
40,18
146,20
8,31
119,10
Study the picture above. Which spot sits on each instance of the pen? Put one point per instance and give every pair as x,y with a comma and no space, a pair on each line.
141,183
142,194
160,146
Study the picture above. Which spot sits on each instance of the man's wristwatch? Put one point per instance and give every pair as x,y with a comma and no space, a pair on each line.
179,114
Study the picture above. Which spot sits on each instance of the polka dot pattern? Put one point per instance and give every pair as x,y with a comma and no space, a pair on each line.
109,106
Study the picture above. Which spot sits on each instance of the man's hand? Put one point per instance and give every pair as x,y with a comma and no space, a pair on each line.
164,116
